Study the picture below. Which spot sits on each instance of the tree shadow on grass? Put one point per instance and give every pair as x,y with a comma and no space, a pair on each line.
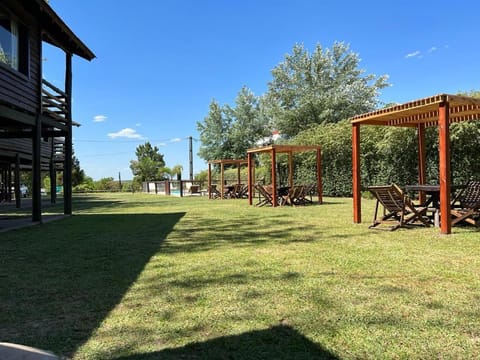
58,283
278,342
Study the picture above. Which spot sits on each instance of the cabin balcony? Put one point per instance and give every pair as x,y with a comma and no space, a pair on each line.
54,103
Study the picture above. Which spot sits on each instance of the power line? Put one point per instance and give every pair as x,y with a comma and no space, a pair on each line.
171,140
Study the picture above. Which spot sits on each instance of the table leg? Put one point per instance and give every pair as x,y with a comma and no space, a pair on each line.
436,218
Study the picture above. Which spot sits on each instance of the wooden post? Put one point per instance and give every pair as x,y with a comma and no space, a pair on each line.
444,155
290,168
18,195
221,181
274,177
319,176
356,186
422,177
209,180
238,173
67,170
53,182
249,178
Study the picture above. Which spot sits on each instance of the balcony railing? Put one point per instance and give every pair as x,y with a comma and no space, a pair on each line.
54,102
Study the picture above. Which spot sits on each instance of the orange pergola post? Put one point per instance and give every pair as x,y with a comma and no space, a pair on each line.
222,181
444,154
422,177
250,178
209,180
319,176
357,199
290,168
273,154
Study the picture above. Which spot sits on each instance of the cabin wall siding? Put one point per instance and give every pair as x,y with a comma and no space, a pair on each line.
24,147
17,89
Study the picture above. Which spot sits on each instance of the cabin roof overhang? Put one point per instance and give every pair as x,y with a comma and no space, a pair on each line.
423,111
56,32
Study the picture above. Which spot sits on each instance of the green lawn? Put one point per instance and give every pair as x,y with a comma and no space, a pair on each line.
135,276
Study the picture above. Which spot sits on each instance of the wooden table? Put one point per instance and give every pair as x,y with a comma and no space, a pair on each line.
432,190
433,200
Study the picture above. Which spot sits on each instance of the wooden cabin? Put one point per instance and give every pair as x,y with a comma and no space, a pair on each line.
35,116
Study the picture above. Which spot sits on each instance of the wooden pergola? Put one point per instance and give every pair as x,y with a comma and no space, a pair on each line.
222,164
439,110
289,149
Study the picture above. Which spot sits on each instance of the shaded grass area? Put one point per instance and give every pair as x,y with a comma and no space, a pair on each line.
143,277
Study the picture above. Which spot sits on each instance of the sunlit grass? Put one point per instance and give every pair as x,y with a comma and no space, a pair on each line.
133,276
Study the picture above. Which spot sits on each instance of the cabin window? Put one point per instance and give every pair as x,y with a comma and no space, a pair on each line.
13,43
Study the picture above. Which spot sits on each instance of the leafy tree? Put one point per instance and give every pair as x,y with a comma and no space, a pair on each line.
323,87
202,176
149,163
177,171
227,132
78,175
214,134
107,184
248,125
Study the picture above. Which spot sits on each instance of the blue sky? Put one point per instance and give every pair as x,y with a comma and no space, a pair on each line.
161,62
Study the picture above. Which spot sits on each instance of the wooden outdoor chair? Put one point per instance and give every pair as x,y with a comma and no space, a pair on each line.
243,193
466,205
265,197
237,192
305,196
194,189
295,196
398,209
213,191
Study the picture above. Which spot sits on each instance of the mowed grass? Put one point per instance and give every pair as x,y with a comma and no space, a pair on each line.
136,276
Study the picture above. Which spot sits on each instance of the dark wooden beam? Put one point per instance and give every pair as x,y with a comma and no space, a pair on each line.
17,116
67,173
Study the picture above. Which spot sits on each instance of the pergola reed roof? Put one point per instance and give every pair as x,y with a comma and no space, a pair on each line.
410,114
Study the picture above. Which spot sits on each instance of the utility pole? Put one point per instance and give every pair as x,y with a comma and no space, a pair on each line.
190,157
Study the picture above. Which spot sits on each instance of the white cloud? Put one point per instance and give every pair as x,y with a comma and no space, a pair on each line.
432,49
162,144
138,124
413,54
175,140
126,133
99,118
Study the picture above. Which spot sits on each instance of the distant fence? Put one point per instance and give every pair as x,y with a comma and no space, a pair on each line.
175,187
183,187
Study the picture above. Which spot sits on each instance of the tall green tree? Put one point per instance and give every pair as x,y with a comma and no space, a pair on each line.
214,134
149,163
248,125
322,87
78,175
227,132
